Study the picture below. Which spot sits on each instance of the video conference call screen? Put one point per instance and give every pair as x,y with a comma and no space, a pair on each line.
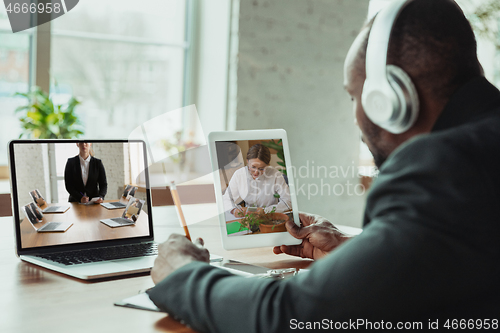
80,192
254,185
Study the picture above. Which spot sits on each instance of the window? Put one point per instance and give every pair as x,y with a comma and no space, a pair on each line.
14,77
124,60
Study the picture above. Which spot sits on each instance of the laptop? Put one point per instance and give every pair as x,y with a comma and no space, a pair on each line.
35,217
130,214
40,201
55,209
88,249
113,205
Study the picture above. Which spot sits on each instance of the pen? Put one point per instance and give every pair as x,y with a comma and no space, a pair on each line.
232,200
229,192
142,291
276,195
239,208
177,202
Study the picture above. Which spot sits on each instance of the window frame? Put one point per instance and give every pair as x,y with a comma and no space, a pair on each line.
40,38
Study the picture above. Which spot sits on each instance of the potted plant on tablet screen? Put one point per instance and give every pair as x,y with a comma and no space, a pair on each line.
260,221
250,221
273,222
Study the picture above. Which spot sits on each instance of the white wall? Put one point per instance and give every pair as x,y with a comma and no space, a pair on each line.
31,173
290,75
208,81
112,157
211,63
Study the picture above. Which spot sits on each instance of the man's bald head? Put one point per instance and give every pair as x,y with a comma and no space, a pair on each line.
434,43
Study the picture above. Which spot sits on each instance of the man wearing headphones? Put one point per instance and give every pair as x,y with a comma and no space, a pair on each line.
430,249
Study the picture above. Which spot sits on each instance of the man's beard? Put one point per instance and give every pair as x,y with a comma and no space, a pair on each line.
378,159
372,136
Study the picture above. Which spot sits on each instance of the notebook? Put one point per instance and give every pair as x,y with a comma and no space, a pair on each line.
88,249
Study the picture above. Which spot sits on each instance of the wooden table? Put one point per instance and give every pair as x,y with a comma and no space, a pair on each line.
86,226
35,299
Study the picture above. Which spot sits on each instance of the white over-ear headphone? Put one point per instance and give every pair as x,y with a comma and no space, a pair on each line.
389,98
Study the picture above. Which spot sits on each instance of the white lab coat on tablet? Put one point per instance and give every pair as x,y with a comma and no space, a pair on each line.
258,192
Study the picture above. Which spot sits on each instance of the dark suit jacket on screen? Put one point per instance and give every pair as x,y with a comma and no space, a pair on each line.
97,185
430,248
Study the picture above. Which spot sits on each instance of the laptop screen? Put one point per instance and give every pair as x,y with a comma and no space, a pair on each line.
69,181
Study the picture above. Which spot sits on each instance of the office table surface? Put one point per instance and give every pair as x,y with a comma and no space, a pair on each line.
34,299
86,225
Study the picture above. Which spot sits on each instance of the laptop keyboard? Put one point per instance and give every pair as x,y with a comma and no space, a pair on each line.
102,254
50,226
121,220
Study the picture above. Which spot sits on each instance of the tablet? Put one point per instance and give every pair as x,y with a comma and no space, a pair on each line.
254,192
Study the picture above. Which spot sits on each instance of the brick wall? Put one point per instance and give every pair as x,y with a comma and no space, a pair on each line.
112,157
32,168
288,73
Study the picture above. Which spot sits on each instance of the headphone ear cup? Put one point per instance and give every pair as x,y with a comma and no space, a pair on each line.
407,96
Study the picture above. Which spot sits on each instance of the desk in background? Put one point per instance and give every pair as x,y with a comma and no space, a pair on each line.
38,300
5,204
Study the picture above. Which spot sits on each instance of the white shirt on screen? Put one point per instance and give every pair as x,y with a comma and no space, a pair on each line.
84,165
258,192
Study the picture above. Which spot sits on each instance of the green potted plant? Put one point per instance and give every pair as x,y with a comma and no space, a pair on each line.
250,221
273,222
264,222
44,120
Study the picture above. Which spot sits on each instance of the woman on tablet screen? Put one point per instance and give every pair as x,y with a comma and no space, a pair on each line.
257,184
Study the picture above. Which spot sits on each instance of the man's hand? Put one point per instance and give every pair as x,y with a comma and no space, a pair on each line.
319,237
84,199
176,252
98,201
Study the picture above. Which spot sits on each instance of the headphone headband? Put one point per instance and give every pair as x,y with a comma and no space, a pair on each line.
378,42
389,97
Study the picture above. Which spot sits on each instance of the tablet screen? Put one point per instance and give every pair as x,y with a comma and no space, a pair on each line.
254,185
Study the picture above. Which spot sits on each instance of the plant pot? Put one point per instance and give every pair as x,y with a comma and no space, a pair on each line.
280,227
254,228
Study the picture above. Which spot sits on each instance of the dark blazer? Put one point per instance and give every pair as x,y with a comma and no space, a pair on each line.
97,186
430,248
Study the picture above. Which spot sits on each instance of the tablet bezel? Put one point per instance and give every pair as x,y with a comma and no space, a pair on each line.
259,240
